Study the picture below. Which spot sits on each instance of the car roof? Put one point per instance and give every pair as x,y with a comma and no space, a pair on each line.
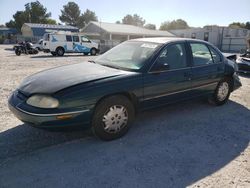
163,40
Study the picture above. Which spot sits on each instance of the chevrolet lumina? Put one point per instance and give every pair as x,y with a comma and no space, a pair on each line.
138,74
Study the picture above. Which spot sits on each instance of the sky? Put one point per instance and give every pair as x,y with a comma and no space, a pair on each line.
197,13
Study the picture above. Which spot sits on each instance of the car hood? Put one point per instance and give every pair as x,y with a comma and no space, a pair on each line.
56,79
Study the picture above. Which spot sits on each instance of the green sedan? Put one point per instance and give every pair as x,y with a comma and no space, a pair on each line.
106,94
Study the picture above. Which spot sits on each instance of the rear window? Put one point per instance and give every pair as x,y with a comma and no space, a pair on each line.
68,38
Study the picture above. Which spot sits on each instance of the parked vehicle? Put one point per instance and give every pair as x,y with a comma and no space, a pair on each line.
39,45
60,43
136,75
243,62
25,48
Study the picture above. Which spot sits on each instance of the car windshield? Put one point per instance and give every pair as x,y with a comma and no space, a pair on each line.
130,55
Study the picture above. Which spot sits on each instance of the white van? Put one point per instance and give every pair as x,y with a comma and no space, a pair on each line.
60,43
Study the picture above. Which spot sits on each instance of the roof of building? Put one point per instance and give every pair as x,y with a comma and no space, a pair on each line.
50,26
126,29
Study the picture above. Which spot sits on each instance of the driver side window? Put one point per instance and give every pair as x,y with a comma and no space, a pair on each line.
171,58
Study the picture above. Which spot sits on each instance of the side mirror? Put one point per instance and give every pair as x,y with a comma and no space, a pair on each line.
160,67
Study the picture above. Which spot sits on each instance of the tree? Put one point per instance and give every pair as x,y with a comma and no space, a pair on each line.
150,26
237,25
37,13
34,12
247,25
71,15
133,20
175,24
86,17
118,22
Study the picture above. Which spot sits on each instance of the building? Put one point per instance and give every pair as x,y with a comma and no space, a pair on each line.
111,34
225,38
35,31
7,35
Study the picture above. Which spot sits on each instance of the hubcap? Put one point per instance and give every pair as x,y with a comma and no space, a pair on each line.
115,119
60,51
223,91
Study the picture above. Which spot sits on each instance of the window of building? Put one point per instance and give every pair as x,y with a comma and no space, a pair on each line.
193,36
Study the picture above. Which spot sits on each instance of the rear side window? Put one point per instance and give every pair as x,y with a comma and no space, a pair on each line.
201,54
76,38
68,38
216,56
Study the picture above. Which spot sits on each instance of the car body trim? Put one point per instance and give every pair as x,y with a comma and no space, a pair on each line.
167,94
56,114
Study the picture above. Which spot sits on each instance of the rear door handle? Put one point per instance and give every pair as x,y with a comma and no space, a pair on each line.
188,75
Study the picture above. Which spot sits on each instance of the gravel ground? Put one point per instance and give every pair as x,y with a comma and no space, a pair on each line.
189,144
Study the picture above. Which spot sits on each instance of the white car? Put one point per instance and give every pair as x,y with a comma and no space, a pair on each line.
39,45
60,43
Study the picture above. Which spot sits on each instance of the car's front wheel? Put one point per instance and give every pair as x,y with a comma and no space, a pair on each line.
222,92
60,51
112,117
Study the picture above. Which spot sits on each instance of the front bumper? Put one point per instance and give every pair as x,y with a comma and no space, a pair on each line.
80,117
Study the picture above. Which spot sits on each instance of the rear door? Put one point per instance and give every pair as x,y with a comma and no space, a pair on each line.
207,67
172,84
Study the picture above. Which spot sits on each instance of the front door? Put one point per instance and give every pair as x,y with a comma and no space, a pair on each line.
169,79
86,44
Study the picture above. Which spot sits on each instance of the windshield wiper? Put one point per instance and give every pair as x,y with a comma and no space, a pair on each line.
110,66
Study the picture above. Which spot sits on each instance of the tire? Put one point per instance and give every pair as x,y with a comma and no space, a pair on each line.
113,117
53,53
35,51
222,92
17,52
60,51
93,51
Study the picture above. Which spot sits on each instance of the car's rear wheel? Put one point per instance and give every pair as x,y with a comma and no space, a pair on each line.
222,92
93,51
60,51
113,117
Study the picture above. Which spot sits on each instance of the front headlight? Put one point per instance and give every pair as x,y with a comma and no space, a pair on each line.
43,101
